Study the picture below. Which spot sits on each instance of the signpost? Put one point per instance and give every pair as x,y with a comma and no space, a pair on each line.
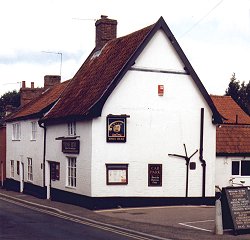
236,209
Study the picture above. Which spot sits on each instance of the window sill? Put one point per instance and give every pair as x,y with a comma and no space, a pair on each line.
33,140
16,140
70,187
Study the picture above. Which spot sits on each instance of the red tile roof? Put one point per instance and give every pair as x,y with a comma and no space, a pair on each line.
233,140
229,109
39,104
102,71
96,74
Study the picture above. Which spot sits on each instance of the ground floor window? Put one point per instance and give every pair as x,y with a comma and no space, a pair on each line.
241,167
12,168
30,170
117,174
71,172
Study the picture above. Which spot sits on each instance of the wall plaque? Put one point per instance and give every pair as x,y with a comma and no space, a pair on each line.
71,146
116,128
154,175
236,209
117,174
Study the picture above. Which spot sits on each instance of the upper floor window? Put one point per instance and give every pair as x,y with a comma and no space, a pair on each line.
12,168
72,128
16,131
241,168
33,130
30,170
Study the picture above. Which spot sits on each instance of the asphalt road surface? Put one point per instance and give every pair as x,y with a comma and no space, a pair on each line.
18,222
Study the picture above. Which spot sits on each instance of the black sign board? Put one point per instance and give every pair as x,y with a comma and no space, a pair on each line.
71,146
116,128
236,209
155,175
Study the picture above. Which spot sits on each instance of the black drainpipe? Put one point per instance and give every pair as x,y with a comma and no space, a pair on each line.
203,162
44,149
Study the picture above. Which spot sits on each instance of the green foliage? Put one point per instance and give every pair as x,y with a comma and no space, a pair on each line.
9,98
240,92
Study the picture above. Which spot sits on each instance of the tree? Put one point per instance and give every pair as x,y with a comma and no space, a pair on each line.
240,92
9,99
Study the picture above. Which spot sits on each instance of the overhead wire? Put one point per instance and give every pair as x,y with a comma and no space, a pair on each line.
201,19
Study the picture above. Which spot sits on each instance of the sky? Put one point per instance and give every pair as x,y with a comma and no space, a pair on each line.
214,35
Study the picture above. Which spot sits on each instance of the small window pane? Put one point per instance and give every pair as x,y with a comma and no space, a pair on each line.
245,168
235,167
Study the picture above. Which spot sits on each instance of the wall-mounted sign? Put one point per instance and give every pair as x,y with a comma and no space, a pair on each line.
71,146
155,175
116,128
117,174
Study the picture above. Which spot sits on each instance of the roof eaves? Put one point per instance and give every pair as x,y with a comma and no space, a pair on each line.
235,154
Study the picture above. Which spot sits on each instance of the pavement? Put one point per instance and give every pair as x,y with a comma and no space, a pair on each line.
169,222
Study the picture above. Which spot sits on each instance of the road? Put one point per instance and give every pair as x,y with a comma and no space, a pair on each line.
21,222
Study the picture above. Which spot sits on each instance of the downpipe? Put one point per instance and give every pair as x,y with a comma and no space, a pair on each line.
203,162
44,149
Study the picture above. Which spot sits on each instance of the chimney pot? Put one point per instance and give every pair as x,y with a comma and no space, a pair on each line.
23,84
32,85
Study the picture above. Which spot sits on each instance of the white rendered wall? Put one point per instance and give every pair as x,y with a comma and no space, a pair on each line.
224,172
54,153
24,149
158,125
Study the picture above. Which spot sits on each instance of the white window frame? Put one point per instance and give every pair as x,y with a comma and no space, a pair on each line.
71,172
12,168
33,130
71,128
30,169
16,131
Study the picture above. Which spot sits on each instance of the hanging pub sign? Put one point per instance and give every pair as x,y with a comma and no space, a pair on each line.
154,175
70,146
116,128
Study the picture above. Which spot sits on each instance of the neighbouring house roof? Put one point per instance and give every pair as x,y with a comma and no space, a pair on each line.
230,110
87,92
233,140
39,105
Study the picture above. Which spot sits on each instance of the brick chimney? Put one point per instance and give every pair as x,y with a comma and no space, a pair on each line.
27,94
51,80
105,31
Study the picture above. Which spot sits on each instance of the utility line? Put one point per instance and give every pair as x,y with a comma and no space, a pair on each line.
201,19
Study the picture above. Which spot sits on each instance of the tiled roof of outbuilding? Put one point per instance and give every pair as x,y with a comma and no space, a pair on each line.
233,140
40,104
230,110
102,71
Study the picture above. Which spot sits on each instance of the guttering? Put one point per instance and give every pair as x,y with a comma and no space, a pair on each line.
44,148
203,162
